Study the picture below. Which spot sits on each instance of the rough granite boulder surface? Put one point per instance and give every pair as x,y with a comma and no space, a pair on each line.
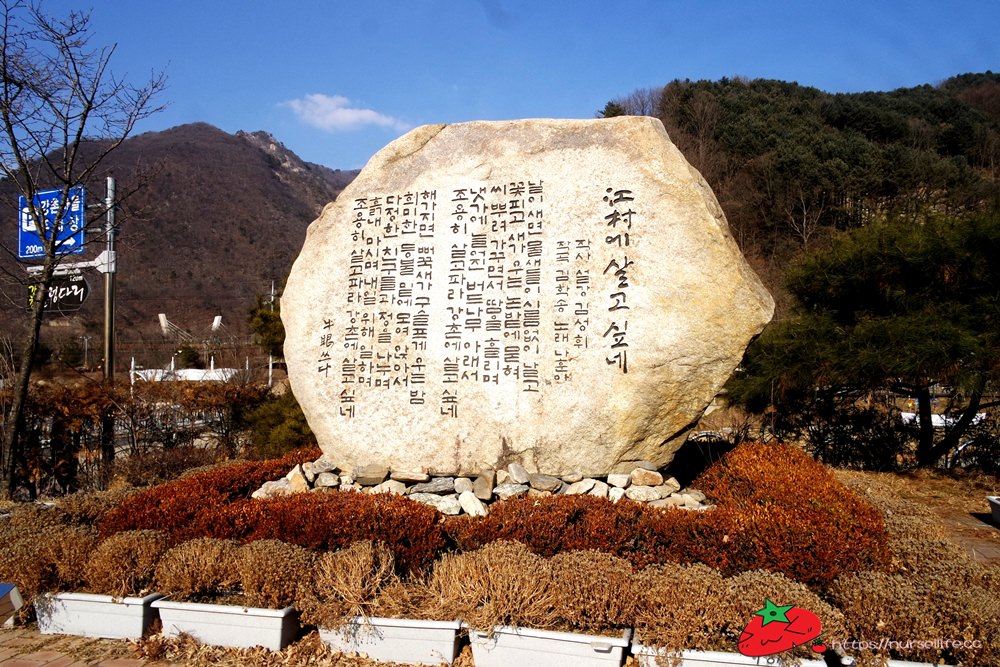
560,294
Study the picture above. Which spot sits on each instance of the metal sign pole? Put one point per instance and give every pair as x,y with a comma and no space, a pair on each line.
109,287
109,269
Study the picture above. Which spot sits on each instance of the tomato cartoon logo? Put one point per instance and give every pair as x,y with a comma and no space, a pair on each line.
777,628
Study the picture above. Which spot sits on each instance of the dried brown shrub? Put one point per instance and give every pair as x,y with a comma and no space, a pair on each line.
502,583
901,607
28,521
89,508
592,591
310,650
124,564
681,606
749,591
271,571
198,569
19,566
66,549
347,583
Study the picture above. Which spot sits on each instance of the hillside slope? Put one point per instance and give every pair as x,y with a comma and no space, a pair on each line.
218,217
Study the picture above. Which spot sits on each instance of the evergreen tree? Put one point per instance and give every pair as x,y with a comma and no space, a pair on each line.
890,307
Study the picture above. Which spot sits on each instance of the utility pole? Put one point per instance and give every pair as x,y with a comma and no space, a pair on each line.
108,420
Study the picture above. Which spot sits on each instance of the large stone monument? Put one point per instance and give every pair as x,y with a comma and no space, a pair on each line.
563,294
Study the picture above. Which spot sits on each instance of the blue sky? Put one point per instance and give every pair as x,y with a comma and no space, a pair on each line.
335,81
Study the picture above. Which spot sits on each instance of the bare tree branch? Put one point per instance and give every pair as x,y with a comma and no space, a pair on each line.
63,111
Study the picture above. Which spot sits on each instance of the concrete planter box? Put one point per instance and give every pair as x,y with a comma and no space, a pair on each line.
229,625
401,640
508,646
90,615
995,506
646,656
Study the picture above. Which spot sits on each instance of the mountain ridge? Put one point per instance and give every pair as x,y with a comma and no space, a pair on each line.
219,217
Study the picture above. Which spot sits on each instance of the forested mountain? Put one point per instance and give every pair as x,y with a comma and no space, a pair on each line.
214,218
791,163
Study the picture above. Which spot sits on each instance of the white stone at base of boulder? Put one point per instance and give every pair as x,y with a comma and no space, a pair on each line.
280,487
327,480
517,473
410,477
473,506
389,486
620,480
445,504
581,487
507,491
672,484
600,490
643,477
643,494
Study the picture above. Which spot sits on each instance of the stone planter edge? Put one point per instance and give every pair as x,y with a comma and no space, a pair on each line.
229,625
401,640
509,645
95,615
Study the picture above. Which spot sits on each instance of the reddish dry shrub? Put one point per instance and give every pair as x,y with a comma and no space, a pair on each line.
554,524
124,564
331,521
781,511
175,507
778,510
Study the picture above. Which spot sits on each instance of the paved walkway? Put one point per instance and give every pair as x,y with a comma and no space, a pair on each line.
23,647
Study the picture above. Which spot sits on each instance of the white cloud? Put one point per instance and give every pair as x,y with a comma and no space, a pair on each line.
334,113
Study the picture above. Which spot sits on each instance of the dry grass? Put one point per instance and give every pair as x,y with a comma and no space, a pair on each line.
681,606
90,508
308,651
198,569
67,549
502,583
124,564
271,572
592,591
350,582
936,590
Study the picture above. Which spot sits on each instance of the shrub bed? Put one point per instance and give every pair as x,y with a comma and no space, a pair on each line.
778,510
176,506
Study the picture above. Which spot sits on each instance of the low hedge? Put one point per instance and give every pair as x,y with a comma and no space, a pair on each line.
176,507
777,510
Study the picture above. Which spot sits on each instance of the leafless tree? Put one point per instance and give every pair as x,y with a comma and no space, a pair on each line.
62,112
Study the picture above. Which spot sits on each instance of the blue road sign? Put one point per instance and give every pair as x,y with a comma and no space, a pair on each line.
69,231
